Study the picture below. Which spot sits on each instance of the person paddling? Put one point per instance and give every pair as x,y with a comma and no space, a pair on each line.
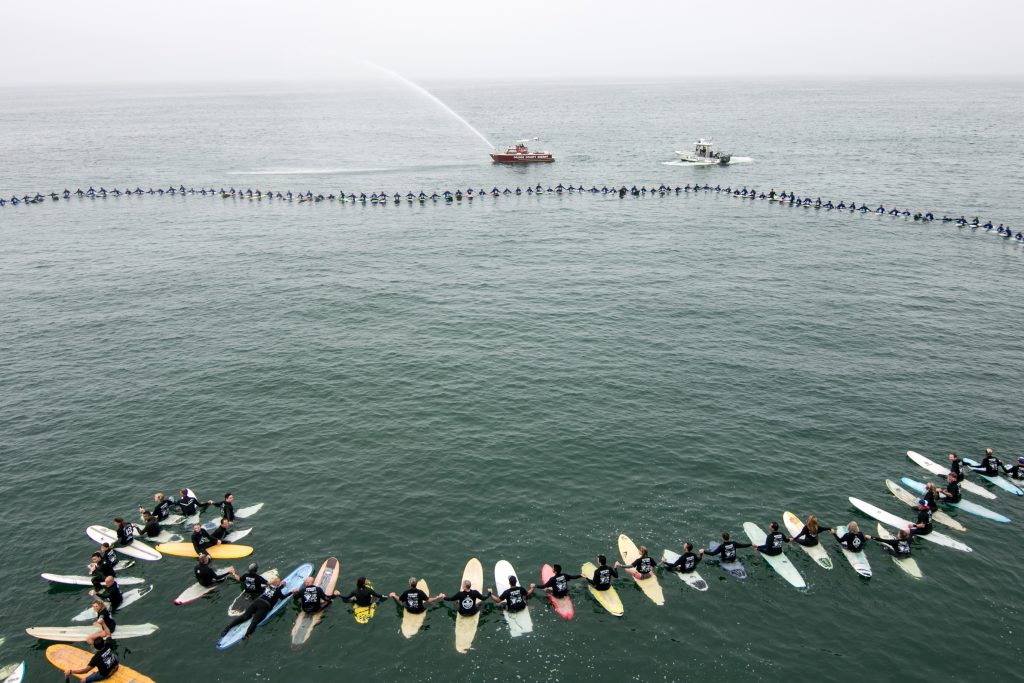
558,584
687,562
643,566
414,600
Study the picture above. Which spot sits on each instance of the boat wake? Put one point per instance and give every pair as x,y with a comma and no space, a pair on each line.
734,160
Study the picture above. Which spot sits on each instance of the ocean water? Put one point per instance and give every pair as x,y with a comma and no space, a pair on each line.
406,387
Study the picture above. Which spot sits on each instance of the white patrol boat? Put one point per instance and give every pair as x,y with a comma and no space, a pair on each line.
703,155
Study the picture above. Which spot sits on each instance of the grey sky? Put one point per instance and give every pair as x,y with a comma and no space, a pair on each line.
48,41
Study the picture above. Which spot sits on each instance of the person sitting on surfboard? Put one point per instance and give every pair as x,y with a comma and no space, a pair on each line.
162,508
363,595
150,528
558,585
808,536
951,494
853,540
227,506
468,601
644,565
201,539
900,545
222,530
687,562
989,465
258,608
99,570
956,466
125,532
206,575
103,661
931,496
311,597
923,525
111,592
514,597
252,581
189,505
773,541
727,548
414,600
104,622
1016,471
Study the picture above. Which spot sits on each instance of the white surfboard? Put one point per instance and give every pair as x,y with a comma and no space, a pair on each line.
164,536
858,560
892,520
907,564
13,673
76,634
519,623
905,496
248,511
138,549
780,563
692,579
74,580
937,469
197,590
997,480
964,504
129,597
815,552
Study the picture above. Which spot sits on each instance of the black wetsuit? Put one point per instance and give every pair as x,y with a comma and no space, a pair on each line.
559,584
258,610
414,600
312,599
806,538
1015,472
468,602
125,534
900,546
105,663
206,576
952,493
190,506
227,509
112,594
931,496
201,540
602,579
104,616
162,510
727,550
686,563
151,529
923,517
363,597
956,466
773,543
989,466
514,598
854,542
644,566
220,532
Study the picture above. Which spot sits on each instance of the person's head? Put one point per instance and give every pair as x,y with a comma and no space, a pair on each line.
512,580
812,524
952,457
158,497
100,643
412,582
931,487
988,451
183,492
309,581
643,551
147,515
204,559
688,547
602,560
98,605
108,581
725,535
467,584
951,477
229,497
361,582
104,547
119,521
774,526
1020,459
903,534
922,503
225,522
276,581
852,526
197,527
557,568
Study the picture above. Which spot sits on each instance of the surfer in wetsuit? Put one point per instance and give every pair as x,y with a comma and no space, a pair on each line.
514,597
259,608
956,466
99,570
150,528
687,562
853,540
363,595
468,601
989,465
111,592
1016,471
227,506
103,661
727,548
201,539
252,582
558,584
808,536
104,622
125,532
414,600
603,575
643,565
189,505
773,541
923,525
311,597
931,496
223,529
951,494
900,545
207,576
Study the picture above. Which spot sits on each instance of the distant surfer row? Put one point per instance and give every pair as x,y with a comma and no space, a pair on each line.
265,593
469,194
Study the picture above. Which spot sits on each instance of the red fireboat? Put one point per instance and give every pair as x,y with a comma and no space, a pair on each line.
519,154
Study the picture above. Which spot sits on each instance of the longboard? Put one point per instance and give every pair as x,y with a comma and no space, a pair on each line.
520,622
907,564
138,549
197,590
68,657
164,536
892,520
780,563
563,606
858,560
910,499
73,580
1001,482
609,599
248,511
692,579
14,673
223,551
361,614
815,552
413,622
290,583
76,634
241,603
937,469
327,579
465,627
734,568
650,586
128,597
965,505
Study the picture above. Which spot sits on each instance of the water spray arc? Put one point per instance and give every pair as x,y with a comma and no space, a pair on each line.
426,93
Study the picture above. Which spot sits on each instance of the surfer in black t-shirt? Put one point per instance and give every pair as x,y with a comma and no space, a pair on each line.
1016,471
773,541
252,582
103,661
808,536
853,540
150,527
104,622
951,494
468,601
989,465
603,575
111,592
923,525
311,597
514,597
162,508
687,562
125,532
956,466
558,584
414,600
727,548
207,576
643,565
259,608
900,545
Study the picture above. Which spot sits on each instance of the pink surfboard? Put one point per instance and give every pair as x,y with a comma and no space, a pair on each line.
562,605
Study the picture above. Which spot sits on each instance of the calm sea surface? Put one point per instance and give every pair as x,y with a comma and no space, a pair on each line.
406,387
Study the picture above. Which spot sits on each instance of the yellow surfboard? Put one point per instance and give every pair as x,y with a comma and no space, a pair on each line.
364,614
650,585
465,627
69,657
412,623
224,551
609,599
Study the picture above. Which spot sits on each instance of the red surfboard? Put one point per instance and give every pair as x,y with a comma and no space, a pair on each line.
562,605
